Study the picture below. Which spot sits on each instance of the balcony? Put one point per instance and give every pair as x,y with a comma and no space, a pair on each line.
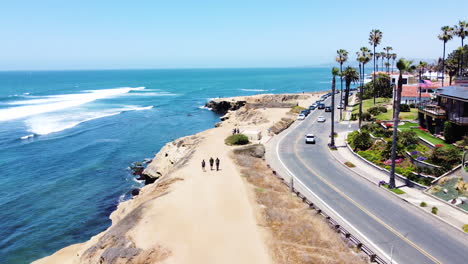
432,109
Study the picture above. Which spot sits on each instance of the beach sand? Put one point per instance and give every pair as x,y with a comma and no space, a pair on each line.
189,215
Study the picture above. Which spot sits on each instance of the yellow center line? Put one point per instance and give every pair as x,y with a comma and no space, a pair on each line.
362,208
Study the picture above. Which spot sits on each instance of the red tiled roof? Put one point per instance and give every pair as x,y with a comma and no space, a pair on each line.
412,91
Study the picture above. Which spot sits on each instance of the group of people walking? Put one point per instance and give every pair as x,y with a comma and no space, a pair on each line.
235,131
212,162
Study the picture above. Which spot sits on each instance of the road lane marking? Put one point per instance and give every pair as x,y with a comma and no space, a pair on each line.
349,199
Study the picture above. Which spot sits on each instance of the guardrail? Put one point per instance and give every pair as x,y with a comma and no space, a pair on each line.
373,257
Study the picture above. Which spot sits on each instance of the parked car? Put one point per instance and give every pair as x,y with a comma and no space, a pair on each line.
306,112
310,138
312,107
321,106
337,91
301,117
321,119
340,106
328,109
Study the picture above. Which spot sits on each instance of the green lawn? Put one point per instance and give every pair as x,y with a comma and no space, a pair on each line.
427,136
396,190
368,103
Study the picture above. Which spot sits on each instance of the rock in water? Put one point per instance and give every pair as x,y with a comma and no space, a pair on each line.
135,192
222,107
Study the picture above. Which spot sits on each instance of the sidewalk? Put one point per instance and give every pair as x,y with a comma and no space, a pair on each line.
445,212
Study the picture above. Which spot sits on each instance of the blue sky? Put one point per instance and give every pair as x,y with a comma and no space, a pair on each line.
85,34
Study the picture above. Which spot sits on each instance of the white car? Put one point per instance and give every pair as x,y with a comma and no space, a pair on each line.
321,119
301,117
339,106
310,138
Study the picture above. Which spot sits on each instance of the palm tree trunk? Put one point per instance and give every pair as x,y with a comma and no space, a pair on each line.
341,84
360,93
395,131
346,95
461,60
373,78
332,133
420,73
443,66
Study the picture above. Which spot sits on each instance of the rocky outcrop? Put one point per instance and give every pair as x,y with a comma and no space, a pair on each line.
221,107
281,125
172,155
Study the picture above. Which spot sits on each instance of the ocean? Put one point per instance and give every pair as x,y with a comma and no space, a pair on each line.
67,139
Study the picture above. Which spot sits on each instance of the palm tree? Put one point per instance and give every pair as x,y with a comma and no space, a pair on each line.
387,56
403,66
377,56
375,37
350,75
335,72
394,56
341,57
446,35
363,58
383,55
421,67
461,30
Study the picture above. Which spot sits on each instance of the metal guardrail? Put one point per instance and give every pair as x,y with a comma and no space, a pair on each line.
373,257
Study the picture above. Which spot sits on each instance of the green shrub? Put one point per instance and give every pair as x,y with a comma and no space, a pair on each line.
373,110
412,105
423,204
296,109
383,109
449,132
408,137
354,117
237,139
404,108
434,210
387,152
361,140
366,116
446,157
465,228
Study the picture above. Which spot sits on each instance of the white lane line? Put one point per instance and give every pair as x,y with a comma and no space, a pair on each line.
323,202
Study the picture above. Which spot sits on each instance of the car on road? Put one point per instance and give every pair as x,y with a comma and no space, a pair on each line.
301,117
321,106
305,112
328,109
313,106
321,119
340,106
310,138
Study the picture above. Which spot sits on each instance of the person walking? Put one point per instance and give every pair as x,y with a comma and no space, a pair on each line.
203,165
217,164
211,163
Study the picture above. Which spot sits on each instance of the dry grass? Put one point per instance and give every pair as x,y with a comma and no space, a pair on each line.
299,234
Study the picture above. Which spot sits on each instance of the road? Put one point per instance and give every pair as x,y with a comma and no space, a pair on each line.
394,229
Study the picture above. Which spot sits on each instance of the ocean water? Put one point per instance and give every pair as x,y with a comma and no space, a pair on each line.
67,139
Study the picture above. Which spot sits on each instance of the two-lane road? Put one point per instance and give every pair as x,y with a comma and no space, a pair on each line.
397,230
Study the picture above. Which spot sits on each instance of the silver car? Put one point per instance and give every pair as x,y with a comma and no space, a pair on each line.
321,119
310,138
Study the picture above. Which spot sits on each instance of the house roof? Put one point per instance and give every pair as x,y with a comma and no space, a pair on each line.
458,92
412,91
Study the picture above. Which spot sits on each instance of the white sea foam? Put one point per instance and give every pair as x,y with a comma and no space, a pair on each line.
204,107
254,90
54,103
27,137
46,124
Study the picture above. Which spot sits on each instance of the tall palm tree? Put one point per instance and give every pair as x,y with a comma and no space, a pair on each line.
446,35
383,55
421,67
375,36
403,66
387,55
461,30
377,56
335,72
363,58
394,56
350,75
341,57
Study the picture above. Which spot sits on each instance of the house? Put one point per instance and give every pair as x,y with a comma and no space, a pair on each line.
410,94
451,104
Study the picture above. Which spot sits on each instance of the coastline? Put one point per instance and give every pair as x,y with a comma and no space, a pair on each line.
159,224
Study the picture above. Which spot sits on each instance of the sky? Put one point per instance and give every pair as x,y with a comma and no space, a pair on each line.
123,34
